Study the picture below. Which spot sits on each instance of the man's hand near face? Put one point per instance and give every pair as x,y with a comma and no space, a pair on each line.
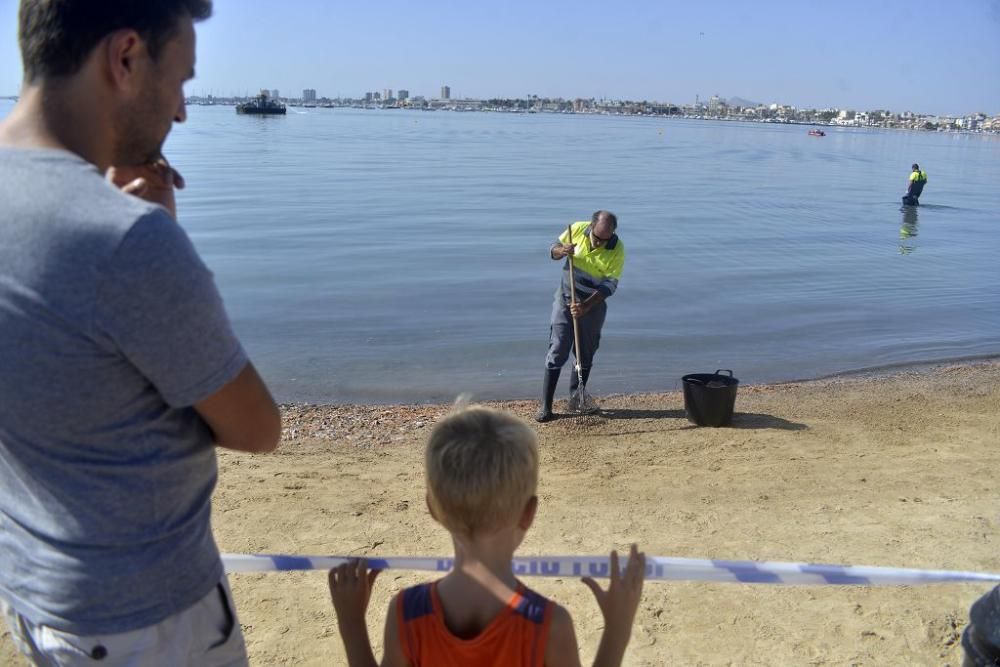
154,181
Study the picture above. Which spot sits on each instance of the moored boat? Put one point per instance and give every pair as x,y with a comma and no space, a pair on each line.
262,105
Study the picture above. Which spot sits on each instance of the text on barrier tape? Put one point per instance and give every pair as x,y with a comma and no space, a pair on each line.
658,568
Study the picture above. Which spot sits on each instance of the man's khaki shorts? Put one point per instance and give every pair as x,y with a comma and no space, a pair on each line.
207,634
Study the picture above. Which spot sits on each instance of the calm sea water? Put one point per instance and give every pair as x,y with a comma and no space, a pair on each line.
392,256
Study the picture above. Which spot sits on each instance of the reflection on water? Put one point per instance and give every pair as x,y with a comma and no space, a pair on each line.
908,231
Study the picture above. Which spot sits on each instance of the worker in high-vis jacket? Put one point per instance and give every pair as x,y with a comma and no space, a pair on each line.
598,259
915,186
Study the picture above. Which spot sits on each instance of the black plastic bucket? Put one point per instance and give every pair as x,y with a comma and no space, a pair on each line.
709,398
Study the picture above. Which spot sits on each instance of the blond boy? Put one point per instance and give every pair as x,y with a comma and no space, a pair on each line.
482,475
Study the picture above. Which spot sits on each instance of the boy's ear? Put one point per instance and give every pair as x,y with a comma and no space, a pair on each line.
528,513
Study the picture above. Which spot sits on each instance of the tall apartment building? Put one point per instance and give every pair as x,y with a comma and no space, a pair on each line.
309,95
402,95
445,92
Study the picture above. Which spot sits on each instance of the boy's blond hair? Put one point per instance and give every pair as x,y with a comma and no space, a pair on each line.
482,467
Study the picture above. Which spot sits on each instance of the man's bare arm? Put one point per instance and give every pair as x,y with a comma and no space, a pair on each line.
242,414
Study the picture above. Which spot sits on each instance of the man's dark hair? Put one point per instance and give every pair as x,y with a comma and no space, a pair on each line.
612,218
57,36
916,166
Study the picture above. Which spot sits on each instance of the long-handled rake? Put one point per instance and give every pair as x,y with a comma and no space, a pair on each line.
579,400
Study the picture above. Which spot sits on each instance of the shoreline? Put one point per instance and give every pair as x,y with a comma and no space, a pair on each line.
885,370
463,106
385,423
900,368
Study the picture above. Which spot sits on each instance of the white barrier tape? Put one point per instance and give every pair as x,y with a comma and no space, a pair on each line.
658,568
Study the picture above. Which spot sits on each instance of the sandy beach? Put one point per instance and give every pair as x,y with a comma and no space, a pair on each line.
895,470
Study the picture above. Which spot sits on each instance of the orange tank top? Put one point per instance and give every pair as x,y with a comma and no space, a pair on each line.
515,638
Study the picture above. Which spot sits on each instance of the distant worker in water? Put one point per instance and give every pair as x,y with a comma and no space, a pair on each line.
918,179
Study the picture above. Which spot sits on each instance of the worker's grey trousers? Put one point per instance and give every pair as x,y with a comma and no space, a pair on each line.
561,335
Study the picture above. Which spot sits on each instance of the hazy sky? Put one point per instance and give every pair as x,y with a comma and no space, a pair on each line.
921,55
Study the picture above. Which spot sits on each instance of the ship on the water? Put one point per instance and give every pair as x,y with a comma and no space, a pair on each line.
262,105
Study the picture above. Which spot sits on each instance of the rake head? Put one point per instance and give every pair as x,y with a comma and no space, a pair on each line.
582,402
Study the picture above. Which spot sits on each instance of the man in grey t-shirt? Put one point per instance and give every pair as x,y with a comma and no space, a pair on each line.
119,371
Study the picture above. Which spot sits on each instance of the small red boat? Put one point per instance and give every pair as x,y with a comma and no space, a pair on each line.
817,133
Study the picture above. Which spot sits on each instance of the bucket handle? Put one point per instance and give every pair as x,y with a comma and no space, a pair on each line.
720,371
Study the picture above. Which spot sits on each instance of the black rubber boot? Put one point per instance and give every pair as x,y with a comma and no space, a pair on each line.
548,393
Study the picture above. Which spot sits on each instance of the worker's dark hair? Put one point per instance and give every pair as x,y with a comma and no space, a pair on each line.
916,166
612,218
57,36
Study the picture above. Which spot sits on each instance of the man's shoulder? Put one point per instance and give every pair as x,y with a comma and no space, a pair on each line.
58,186
60,207
105,203
111,221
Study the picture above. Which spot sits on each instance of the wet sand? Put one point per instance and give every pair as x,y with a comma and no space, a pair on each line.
896,471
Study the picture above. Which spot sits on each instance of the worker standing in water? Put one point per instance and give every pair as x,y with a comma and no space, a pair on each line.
915,186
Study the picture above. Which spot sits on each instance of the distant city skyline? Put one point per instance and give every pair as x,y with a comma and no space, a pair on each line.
928,58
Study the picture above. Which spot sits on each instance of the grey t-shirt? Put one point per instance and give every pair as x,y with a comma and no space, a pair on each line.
111,328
